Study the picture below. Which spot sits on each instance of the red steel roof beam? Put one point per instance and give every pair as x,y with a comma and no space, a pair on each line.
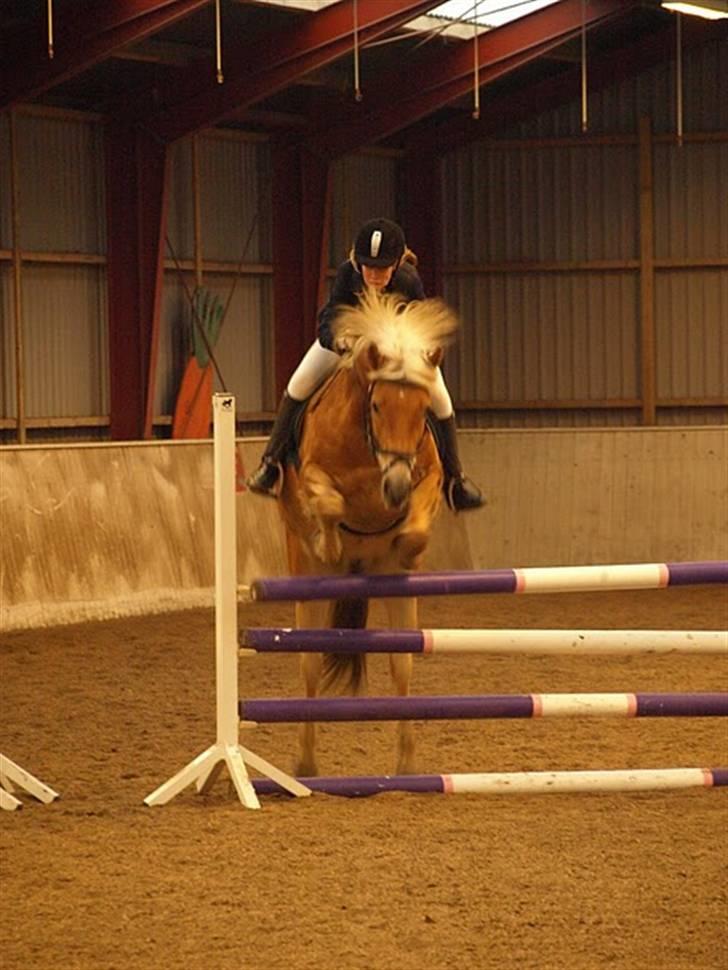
447,76
271,64
605,69
82,39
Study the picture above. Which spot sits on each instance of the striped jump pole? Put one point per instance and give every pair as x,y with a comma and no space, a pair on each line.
284,710
512,783
536,579
530,642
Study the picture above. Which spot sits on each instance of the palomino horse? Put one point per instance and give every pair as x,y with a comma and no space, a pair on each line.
368,485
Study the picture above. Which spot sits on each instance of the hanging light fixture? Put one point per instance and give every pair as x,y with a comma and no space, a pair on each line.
51,48
476,66
220,77
710,9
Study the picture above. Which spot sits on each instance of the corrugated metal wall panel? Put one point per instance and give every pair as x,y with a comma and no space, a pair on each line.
66,341
5,190
653,93
530,203
8,408
235,220
181,204
244,347
531,337
691,200
693,417
235,199
61,185
692,333
534,419
540,203
363,187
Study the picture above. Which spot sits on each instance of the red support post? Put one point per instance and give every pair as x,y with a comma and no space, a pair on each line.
287,239
136,219
300,226
422,215
315,210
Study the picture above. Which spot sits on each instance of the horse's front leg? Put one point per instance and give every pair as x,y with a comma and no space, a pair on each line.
309,615
402,614
326,507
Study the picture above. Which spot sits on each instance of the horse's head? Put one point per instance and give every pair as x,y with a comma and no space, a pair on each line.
395,351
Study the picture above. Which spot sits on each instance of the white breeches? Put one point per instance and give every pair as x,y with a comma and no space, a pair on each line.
319,363
440,400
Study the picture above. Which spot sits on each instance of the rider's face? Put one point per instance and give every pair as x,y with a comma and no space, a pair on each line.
377,276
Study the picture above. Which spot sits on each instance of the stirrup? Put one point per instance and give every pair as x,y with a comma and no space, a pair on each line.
461,494
267,479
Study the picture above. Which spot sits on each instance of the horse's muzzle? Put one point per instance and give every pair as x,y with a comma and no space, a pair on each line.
397,484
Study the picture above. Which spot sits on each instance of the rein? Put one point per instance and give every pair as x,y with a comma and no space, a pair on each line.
374,532
409,457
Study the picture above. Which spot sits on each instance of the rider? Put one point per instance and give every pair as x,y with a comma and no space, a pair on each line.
380,259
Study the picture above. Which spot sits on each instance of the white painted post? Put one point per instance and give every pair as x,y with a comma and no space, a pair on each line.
226,578
206,767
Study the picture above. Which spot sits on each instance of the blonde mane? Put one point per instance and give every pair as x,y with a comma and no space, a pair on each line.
405,334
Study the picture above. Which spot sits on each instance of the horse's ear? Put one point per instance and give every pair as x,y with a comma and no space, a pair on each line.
434,357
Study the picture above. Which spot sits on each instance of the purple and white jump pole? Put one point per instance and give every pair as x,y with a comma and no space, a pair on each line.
535,579
227,751
531,642
284,710
514,783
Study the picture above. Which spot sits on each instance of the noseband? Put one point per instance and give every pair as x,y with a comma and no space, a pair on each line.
408,457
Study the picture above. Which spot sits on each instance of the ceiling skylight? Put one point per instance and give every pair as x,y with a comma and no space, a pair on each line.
489,13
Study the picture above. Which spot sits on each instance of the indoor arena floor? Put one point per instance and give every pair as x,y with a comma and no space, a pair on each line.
105,712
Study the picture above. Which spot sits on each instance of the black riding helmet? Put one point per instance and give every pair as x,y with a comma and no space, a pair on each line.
379,242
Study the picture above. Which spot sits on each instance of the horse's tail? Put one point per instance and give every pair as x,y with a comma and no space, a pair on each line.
347,671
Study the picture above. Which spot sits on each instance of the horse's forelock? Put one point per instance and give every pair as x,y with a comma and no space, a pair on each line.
405,334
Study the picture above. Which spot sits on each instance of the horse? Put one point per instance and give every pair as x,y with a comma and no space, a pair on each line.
366,486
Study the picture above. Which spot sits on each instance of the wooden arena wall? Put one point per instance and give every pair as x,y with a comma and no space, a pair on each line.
101,530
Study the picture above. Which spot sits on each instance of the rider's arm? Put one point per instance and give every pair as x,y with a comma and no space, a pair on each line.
345,289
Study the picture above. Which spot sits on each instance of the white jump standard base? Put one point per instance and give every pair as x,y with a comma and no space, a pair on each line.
11,775
204,770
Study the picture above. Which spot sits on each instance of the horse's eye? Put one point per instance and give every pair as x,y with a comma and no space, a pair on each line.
375,407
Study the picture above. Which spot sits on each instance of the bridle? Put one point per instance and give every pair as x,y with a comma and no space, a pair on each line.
408,457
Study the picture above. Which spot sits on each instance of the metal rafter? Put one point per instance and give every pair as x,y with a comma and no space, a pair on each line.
446,76
255,71
605,69
82,39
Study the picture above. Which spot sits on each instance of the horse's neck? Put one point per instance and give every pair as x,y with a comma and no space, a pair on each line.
338,412
347,396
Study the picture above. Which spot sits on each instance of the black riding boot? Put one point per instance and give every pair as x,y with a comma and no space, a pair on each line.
460,492
266,478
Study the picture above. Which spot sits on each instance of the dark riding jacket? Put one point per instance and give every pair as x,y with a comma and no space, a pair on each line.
349,284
